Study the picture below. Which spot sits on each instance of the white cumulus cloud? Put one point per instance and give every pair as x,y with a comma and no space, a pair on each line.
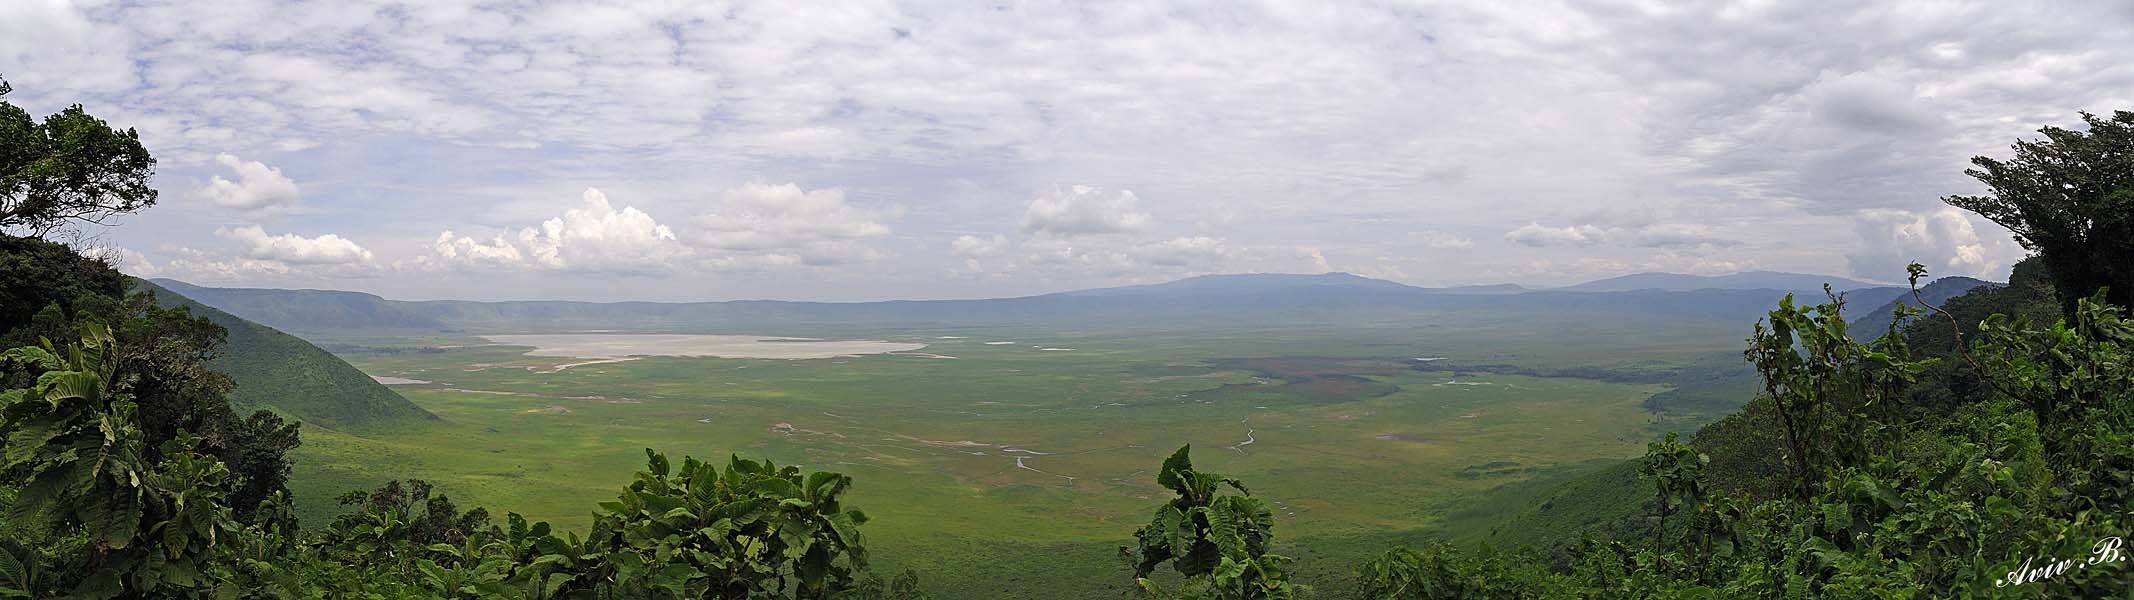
1947,241
594,237
257,187
289,248
971,246
974,249
127,261
1082,210
1676,235
1534,234
813,227
1444,240
458,249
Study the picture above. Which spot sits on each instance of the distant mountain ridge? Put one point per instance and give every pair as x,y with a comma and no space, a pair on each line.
1249,283
319,309
1750,280
1234,296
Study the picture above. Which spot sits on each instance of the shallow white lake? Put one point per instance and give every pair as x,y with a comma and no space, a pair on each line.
625,345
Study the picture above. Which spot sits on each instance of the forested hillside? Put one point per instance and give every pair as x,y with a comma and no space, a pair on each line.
1941,290
278,370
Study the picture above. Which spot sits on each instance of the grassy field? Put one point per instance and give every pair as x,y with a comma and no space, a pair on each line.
1012,471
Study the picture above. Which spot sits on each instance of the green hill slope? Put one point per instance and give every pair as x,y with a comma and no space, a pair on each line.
1553,512
1940,291
278,370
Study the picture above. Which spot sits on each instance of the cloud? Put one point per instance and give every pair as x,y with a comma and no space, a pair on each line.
1316,258
51,41
1443,240
751,227
974,249
211,267
1089,231
127,261
971,246
258,257
292,249
197,266
1084,210
1946,241
1654,235
816,227
1534,234
595,237
457,250
1724,114
1196,252
1677,235
1867,102
257,187
1122,257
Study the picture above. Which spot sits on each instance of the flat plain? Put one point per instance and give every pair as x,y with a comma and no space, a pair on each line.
1004,460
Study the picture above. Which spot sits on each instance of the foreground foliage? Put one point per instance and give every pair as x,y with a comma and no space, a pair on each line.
111,522
1985,501
1219,542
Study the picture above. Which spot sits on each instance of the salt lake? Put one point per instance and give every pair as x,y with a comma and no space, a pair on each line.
625,345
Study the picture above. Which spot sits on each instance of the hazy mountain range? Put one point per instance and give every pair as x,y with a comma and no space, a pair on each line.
1751,280
1240,296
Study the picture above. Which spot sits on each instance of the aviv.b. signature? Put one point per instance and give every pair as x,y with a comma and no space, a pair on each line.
2105,551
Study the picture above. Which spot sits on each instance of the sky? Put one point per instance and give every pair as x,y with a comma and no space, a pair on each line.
684,150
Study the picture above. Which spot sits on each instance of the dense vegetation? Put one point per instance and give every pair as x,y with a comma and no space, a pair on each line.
271,369
1979,447
1976,449
117,523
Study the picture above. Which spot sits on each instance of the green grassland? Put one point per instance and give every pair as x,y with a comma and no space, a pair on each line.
975,467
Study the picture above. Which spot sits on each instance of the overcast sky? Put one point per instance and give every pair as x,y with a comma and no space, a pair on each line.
684,150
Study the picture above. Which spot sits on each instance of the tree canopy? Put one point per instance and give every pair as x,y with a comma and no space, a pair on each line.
2070,198
71,168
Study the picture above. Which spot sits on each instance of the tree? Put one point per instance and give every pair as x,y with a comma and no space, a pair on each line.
49,291
71,168
424,518
1953,382
258,460
1827,389
75,447
2070,198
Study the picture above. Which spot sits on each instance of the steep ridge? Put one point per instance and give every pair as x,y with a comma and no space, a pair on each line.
1874,322
278,370
303,310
